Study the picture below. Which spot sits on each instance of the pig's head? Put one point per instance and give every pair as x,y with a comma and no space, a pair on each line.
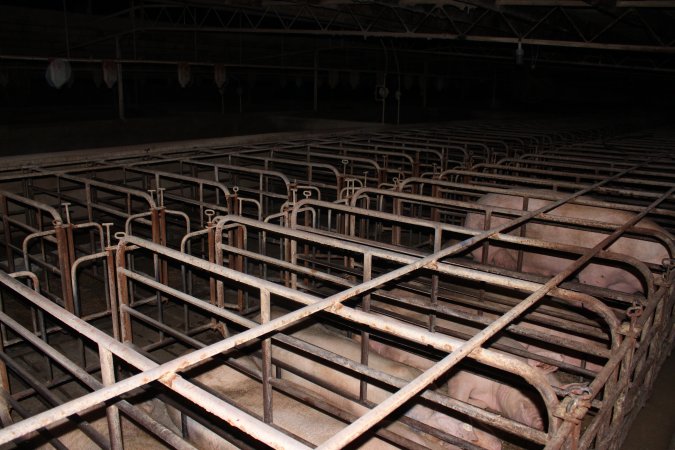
528,413
478,437
548,370
520,405
526,410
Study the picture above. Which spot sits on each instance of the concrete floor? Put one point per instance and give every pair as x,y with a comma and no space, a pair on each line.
654,428
44,137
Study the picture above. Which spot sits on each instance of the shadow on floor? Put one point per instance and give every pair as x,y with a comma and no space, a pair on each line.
654,427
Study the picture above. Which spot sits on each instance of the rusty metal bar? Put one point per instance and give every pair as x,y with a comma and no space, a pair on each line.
383,409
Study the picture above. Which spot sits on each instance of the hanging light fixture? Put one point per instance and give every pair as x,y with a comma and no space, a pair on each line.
220,76
58,72
520,53
109,69
184,74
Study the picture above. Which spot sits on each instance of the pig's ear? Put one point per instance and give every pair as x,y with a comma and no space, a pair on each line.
546,368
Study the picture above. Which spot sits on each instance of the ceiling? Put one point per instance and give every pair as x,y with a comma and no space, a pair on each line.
409,36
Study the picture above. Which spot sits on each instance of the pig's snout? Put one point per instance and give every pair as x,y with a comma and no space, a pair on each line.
530,416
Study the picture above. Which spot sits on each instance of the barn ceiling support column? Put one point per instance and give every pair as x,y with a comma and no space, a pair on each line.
316,81
120,81
65,28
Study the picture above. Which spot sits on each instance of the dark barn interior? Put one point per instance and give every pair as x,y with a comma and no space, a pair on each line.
397,224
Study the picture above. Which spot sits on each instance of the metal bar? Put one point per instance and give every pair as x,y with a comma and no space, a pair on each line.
439,36
166,373
368,420
152,426
112,413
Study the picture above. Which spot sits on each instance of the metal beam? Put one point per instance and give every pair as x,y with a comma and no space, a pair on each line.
586,4
667,49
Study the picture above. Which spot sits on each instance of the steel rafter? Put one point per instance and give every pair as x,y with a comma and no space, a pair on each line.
580,27
625,35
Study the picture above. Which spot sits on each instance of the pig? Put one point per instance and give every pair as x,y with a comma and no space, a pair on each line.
480,391
603,276
302,420
487,393
133,436
583,343
407,295
483,392
321,336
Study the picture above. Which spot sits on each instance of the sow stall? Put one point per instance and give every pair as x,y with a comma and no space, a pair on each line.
299,314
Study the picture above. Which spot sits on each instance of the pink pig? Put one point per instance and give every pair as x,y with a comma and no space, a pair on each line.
323,337
480,391
603,276
486,393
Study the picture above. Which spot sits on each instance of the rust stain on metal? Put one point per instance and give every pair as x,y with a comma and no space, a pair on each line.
168,379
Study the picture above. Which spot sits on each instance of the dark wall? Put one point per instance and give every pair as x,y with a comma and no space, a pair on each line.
154,92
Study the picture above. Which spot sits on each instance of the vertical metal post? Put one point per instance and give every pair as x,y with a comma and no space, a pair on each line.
424,84
62,248
162,239
384,97
365,336
620,377
219,259
120,82
305,249
194,35
114,309
396,229
122,293
216,287
397,95
292,256
239,260
4,208
111,412
316,81
211,251
132,14
522,233
65,26
494,90
158,217
434,280
236,239
265,316
4,377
